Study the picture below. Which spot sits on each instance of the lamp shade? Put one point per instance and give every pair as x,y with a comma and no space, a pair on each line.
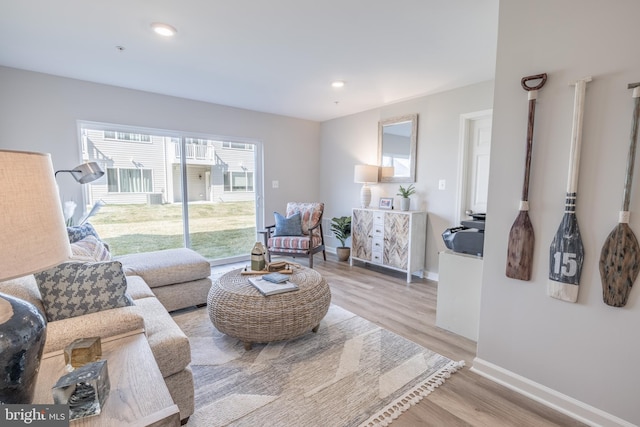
365,173
87,172
387,171
34,236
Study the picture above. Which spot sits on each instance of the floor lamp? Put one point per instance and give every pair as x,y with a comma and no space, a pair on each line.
84,173
33,239
365,174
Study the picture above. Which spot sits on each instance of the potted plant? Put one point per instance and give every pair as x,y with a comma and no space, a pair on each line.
404,193
341,227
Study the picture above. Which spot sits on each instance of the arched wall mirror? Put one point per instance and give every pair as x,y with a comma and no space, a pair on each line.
397,140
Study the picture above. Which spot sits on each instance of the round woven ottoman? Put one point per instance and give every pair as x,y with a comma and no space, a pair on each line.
239,310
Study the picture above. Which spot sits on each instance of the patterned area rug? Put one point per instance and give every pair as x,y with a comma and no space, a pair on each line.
350,373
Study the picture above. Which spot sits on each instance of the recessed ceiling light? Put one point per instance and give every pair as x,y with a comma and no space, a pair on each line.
165,30
337,84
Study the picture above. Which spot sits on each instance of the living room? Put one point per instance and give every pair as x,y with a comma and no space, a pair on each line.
544,348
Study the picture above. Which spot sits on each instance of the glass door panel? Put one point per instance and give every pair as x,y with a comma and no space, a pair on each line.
137,212
222,208
164,191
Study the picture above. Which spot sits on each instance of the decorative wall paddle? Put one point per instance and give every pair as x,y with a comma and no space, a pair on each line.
521,236
567,253
620,256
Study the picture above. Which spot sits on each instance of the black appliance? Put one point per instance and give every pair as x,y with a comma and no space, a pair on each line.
467,238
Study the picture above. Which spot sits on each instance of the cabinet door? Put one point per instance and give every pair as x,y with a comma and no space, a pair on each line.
361,237
396,240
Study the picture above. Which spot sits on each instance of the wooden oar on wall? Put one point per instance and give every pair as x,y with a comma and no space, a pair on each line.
566,253
521,236
620,256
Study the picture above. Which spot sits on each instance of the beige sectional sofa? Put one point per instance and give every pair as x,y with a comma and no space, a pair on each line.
153,295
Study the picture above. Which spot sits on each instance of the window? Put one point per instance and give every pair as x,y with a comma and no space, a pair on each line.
126,136
237,145
238,181
120,180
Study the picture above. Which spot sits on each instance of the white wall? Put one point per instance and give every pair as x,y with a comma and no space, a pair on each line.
38,112
352,140
588,350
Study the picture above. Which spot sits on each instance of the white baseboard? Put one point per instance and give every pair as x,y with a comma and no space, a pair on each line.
560,402
430,275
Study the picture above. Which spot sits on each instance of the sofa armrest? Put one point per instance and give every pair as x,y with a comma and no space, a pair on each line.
103,324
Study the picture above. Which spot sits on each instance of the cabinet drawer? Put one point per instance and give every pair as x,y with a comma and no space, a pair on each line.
377,230
378,218
377,250
377,243
376,257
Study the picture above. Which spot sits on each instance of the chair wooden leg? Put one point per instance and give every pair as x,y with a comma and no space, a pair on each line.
311,260
324,254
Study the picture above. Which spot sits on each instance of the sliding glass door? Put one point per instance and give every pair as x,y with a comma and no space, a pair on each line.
165,190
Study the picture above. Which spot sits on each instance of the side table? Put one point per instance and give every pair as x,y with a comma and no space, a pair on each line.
138,395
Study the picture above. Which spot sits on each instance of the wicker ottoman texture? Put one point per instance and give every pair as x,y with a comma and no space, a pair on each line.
239,310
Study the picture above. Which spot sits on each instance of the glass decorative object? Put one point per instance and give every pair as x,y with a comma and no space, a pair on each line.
85,390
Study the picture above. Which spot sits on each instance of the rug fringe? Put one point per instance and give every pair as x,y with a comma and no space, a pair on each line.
386,415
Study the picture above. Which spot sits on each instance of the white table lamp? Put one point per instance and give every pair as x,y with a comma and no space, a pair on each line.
365,174
33,238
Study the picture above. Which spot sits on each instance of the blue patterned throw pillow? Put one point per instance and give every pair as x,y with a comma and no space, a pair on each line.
291,226
75,288
79,232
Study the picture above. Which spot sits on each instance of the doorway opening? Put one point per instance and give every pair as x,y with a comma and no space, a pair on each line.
473,163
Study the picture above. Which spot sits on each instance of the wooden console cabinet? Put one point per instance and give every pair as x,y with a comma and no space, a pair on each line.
392,239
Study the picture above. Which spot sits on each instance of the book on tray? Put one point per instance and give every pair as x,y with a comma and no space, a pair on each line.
267,288
276,277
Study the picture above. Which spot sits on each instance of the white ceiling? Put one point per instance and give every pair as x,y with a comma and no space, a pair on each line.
276,56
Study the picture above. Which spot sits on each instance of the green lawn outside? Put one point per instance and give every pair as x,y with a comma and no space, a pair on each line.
219,230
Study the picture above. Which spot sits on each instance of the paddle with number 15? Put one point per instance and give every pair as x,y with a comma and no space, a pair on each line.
521,237
620,256
566,253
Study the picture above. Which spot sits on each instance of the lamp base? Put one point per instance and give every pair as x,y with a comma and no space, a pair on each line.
22,335
365,196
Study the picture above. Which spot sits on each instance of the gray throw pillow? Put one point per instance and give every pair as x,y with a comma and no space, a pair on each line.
291,226
74,288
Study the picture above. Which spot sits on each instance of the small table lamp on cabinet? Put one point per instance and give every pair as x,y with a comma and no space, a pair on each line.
33,238
365,174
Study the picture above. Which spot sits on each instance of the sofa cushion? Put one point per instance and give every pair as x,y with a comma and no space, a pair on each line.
170,346
166,267
137,288
185,294
103,324
90,248
182,391
289,226
74,288
24,288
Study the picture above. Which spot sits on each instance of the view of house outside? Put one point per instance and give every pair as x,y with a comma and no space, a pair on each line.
142,192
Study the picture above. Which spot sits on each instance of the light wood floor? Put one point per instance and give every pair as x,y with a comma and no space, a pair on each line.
466,399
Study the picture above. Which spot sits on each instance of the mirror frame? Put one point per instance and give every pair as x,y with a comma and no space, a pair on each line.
413,118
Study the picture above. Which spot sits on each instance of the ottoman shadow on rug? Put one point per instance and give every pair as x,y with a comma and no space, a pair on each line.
350,373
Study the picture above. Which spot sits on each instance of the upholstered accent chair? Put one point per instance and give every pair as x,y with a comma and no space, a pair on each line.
286,237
